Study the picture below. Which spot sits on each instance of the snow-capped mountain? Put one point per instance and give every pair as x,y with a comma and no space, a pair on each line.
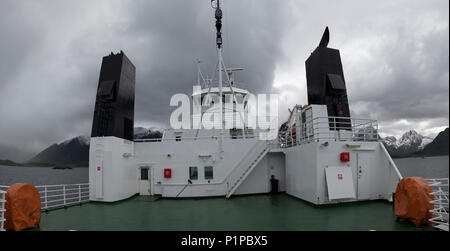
72,151
143,133
390,141
76,150
412,138
410,142
83,140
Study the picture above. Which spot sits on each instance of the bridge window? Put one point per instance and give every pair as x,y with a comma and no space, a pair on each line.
193,173
209,173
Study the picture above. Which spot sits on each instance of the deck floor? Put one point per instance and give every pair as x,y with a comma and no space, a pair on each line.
254,213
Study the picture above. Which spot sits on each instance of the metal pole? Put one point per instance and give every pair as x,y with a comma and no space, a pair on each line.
45,196
2,210
221,104
79,193
391,162
64,193
218,16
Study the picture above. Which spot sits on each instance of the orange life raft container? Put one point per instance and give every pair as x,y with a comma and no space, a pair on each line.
412,200
23,207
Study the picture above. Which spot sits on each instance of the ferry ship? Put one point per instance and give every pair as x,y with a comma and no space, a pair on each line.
321,154
197,178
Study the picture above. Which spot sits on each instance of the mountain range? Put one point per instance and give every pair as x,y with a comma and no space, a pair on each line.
411,142
439,146
15,153
76,150
73,151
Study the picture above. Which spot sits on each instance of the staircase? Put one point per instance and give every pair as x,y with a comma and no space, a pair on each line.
245,166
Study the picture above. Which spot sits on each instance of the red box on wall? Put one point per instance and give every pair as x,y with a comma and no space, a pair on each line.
167,173
345,157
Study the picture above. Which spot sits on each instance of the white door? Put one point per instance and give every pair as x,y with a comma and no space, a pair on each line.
99,174
363,170
144,180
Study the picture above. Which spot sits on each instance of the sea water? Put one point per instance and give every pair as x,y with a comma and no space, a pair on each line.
429,167
42,175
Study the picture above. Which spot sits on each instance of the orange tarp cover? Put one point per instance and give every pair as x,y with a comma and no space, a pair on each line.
23,207
412,200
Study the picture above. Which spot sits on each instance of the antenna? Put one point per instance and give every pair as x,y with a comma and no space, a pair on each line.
218,16
218,22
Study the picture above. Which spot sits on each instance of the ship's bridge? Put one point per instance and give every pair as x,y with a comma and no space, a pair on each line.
235,96
229,88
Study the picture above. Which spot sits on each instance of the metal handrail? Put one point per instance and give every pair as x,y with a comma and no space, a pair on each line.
228,176
215,137
2,210
57,196
236,172
391,161
248,132
440,192
236,84
330,128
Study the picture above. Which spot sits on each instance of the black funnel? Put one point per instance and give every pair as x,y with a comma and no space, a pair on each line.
114,105
326,82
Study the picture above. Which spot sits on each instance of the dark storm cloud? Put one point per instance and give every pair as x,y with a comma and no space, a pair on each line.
46,87
406,74
16,46
179,32
395,57
50,97
414,79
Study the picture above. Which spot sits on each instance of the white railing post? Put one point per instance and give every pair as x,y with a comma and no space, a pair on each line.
45,197
440,192
64,193
79,193
2,210
336,130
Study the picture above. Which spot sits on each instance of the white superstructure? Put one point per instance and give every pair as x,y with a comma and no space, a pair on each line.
314,158
308,166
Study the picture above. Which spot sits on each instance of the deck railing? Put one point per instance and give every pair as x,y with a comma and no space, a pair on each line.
57,196
2,210
215,84
330,129
440,193
247,134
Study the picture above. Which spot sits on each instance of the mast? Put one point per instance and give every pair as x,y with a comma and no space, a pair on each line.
219,43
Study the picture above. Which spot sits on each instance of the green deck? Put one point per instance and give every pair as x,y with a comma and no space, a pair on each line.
257,212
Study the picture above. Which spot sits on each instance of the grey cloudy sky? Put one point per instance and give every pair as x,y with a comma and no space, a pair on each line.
395,58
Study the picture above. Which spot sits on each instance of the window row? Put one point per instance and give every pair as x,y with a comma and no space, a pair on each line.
193,173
